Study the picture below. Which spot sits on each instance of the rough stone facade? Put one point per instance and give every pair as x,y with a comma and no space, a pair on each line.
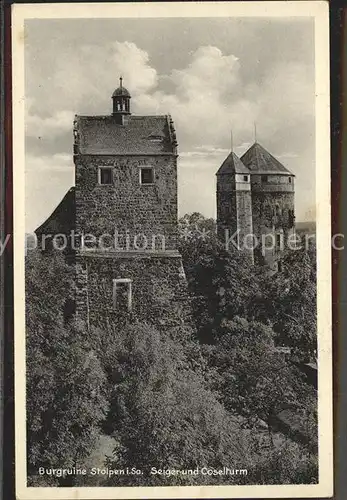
159,288
136,211
123,213
255,195
234,210
128,266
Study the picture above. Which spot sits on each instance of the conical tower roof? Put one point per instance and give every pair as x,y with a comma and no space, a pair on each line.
258,160
233,165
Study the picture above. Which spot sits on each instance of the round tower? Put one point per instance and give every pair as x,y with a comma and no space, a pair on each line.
273,210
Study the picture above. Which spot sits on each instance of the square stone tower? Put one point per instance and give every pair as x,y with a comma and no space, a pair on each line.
126,214
234,205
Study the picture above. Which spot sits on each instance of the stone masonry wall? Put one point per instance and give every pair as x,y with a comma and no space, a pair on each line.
272,214
234,211
244,220
226,205
271,210
159,289
126,205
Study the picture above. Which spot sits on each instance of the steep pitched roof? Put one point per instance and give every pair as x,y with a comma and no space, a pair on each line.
63,218
232,165
139,134
258,160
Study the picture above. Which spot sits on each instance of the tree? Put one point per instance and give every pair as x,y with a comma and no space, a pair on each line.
288,301
163,412
222,284
66,385
254,380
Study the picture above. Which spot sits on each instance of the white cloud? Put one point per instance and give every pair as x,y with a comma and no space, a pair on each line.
207,99
51,126
209,76
82,83
287,155
204,152
47,179
34,164
242,148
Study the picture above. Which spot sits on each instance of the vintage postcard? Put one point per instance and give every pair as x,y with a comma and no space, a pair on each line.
172,250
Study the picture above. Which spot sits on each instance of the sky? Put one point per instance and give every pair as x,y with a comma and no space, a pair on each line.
213,75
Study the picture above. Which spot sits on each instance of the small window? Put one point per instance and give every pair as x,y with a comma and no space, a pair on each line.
289,180
146,175
264,178
122,295
278,240
279,266
245,178
105,175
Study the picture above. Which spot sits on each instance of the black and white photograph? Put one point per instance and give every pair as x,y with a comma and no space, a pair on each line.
172,250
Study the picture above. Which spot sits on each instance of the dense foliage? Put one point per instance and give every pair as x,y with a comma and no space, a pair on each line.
66,384
208,393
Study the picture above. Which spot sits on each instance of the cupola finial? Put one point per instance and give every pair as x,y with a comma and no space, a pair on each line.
121,82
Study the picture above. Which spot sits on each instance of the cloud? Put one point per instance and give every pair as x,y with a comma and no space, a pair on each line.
210,76
52,126
242,148
287,155
204,152
81,82
49,163
47,179
208,97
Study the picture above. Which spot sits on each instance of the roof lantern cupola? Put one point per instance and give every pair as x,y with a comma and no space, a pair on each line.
121,100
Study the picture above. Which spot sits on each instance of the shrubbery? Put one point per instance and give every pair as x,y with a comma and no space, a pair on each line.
190,396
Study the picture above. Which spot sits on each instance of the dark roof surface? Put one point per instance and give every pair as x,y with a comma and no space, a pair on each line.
139,134
233,165
257,159
63,218
121,91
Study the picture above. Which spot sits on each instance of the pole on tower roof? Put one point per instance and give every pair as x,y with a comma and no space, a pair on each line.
255,132
121,81
231,141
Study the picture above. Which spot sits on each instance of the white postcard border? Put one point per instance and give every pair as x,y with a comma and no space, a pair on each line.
319,10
